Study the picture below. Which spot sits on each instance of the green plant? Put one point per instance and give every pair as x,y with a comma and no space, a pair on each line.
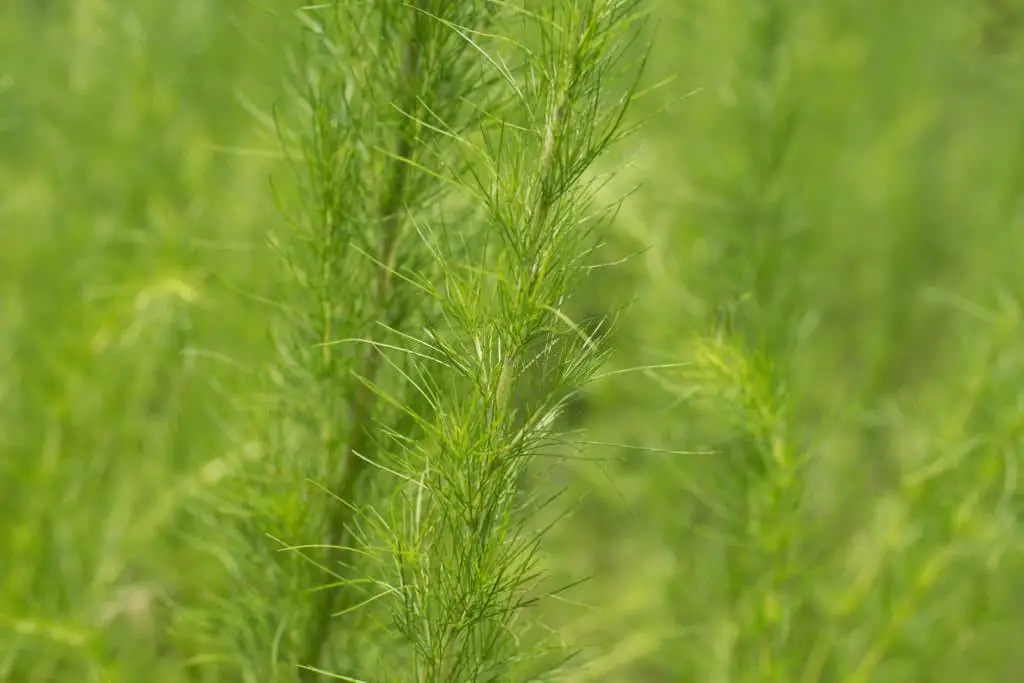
442,224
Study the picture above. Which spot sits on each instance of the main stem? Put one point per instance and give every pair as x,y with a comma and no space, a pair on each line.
360,397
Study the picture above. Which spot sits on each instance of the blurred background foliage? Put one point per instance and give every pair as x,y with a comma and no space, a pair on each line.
814,479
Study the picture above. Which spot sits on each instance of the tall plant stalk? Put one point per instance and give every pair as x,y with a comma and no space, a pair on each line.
444,226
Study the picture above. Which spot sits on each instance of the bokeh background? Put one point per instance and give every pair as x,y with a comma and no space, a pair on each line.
803,457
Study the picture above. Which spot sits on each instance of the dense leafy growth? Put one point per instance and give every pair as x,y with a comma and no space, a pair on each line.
419,340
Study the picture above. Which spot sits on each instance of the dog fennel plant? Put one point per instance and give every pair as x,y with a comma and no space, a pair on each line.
441,229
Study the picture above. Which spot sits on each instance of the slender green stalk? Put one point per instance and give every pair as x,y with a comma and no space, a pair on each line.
446,160
359,398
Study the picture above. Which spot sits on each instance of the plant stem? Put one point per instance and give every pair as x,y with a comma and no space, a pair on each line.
360,398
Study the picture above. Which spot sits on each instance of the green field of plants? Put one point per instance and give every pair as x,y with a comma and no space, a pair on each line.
482,341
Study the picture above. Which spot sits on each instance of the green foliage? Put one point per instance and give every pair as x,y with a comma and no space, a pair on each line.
370,420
